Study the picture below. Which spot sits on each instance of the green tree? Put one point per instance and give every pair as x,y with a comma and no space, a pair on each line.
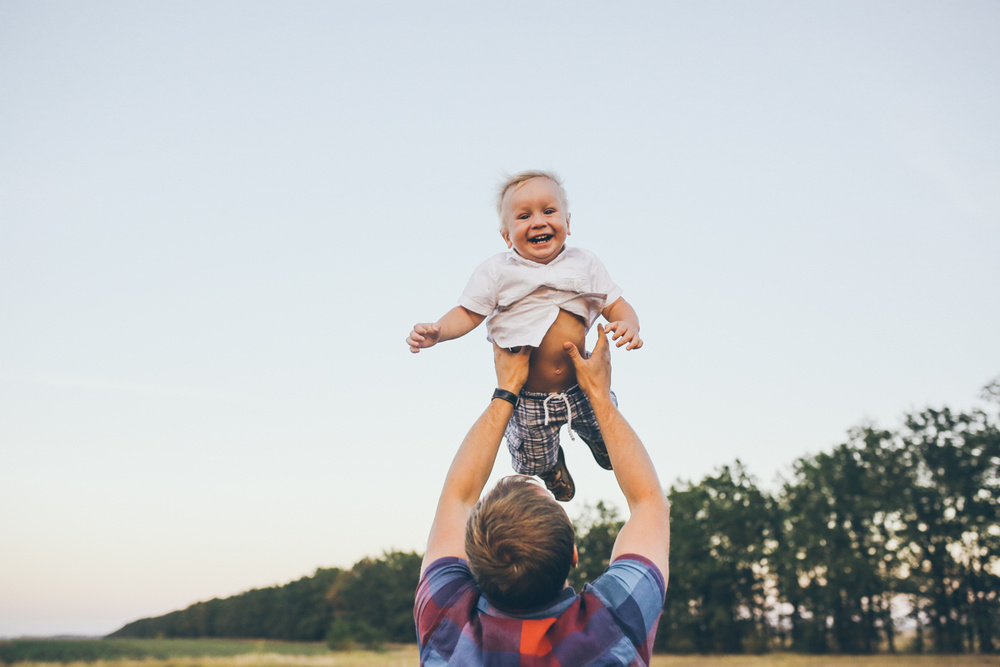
597,529
298,611
837,559
952,525
720,542
373,602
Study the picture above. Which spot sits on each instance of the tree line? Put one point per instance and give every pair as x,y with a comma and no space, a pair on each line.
891,531
368,605
893,534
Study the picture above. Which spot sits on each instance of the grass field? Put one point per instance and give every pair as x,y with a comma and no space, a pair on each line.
233,653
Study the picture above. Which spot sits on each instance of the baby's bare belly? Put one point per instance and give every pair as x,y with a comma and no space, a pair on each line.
551,368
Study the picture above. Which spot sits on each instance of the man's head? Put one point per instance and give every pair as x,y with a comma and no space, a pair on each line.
520,544
534,215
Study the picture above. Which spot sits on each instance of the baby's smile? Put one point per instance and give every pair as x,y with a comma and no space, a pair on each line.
537,222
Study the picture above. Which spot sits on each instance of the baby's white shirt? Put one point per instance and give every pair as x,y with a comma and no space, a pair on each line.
521,299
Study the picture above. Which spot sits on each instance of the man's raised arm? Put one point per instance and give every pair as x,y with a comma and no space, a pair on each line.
474,460
647,531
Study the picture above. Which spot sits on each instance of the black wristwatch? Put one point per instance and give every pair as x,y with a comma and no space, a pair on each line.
505,395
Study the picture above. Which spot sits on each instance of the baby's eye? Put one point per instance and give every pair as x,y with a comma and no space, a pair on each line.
549,211
523,216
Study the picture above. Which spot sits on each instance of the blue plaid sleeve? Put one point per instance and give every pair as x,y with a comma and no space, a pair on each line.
634,591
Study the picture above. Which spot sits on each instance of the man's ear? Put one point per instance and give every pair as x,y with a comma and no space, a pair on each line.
576,557
505,233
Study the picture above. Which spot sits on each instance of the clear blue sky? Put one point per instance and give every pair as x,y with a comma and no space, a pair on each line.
219,220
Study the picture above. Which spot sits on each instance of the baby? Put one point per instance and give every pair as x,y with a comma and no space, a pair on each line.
542,294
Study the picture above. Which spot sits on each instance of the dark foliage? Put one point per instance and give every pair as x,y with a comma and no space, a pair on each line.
888,524
596,531
298,611
720,542
369,605
373,603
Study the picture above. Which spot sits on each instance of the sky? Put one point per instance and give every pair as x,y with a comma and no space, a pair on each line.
219,221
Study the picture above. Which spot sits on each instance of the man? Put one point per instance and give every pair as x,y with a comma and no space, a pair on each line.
493,581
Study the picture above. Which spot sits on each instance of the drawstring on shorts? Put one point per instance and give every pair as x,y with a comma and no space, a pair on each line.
569,411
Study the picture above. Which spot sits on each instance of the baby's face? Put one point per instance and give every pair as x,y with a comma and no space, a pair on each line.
537,222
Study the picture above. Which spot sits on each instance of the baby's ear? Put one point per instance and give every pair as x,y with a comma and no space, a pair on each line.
506,237
568,216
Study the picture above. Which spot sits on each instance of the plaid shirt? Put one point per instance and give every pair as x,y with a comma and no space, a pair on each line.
612,622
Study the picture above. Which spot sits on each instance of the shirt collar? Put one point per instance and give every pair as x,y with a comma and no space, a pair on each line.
512,256
547,610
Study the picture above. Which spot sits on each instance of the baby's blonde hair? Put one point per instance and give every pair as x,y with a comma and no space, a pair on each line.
514,181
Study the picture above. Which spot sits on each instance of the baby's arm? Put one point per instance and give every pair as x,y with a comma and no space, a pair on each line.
455,323
624,324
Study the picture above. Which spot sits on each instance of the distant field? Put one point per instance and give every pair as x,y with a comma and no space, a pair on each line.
94,650
234,653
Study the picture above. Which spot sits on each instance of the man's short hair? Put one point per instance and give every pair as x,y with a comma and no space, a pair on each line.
516,180
519,543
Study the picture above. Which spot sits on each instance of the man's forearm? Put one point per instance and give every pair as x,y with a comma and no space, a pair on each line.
632,465
469,471
473,463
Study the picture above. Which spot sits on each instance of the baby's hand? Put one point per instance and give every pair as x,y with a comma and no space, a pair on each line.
622,333
423,335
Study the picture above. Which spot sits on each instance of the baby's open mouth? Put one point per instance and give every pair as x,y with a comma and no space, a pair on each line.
540,239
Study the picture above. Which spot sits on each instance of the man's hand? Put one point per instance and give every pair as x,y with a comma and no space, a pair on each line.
625,332
512,367
593,374
423,335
